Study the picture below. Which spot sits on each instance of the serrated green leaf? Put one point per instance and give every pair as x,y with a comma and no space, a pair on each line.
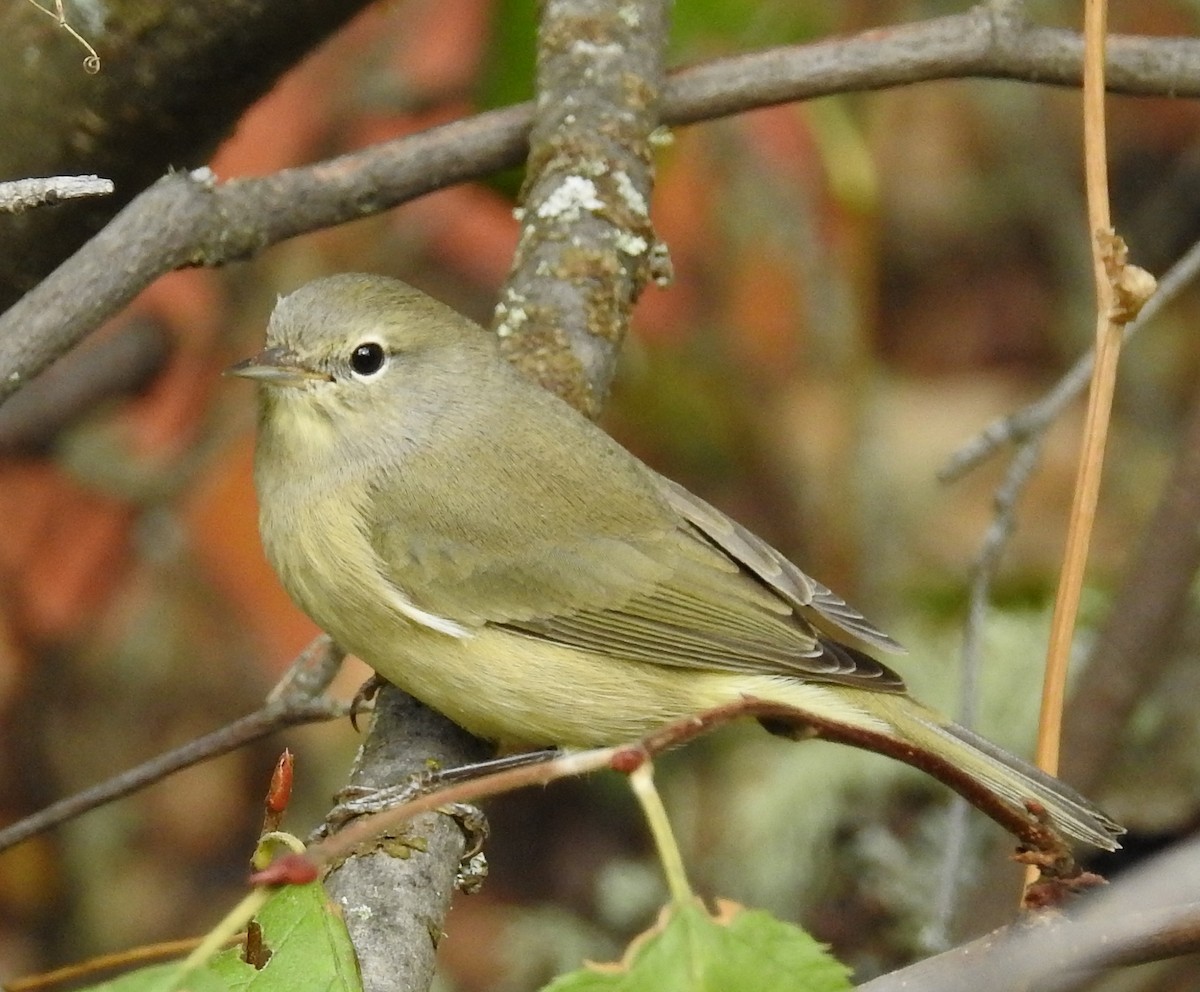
738,950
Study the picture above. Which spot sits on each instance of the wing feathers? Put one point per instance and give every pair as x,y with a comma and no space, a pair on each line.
773,568
623,563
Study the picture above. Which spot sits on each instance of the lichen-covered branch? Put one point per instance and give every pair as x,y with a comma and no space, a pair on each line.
587,247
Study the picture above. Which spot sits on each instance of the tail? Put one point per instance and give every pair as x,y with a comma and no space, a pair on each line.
892,723
1005,776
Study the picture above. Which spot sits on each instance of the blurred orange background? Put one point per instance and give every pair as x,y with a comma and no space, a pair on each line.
861,284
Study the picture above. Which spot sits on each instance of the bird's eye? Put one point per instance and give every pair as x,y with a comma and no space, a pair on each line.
368,358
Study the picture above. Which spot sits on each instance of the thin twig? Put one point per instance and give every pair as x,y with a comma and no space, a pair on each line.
298,699
1035,835
91,63
987,563
1032,421
1095,437
18,195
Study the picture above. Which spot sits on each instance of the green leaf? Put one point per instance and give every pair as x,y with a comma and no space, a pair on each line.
160,977
309,946
310,951
737,950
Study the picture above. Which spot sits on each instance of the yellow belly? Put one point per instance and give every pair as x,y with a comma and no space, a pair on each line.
521,691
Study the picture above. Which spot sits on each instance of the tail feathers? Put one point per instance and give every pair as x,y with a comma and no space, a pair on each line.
965,761
1009,777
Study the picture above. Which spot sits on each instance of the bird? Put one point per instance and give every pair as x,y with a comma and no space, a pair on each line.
494,553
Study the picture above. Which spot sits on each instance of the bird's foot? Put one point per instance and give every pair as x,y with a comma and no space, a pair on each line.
472,866
366,694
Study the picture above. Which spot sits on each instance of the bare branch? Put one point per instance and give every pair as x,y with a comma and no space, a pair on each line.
987,42
180,222
1148,916
19,195
298,699
395,890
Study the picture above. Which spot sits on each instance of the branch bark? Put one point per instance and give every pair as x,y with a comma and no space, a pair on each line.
1148,916
395,892
19,195
587,246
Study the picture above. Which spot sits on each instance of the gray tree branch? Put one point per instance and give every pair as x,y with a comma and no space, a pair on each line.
395,893
587,246
190,222
1150,915
19,195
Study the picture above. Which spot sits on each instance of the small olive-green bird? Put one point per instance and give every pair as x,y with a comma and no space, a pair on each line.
489,550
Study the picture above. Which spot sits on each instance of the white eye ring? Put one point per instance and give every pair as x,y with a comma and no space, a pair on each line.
368,360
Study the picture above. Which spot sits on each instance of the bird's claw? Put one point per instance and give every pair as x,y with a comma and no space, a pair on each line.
366,693
472,866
